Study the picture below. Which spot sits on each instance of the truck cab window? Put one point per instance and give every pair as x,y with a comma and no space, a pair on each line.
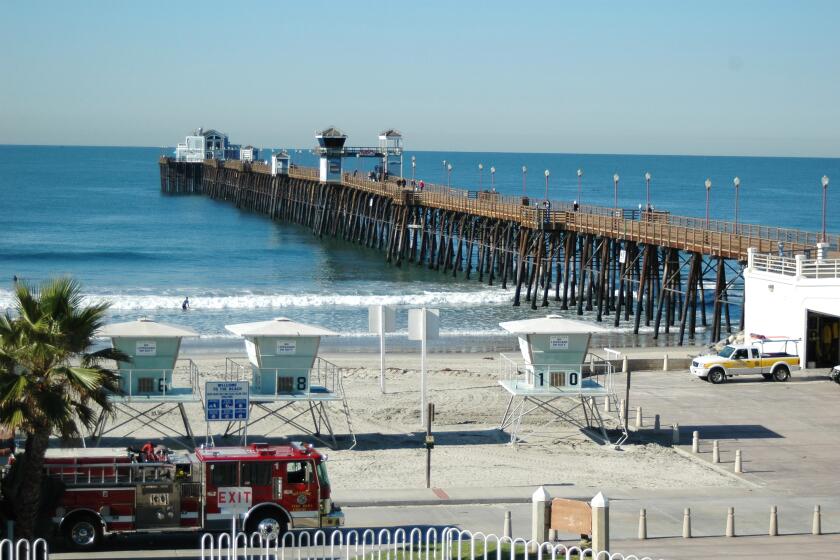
755,353
255,474
740,354
223,474
298,472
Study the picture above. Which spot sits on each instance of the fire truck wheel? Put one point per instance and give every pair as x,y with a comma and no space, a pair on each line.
268,523
83,532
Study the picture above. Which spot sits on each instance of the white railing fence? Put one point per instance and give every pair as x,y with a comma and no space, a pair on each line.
393,544
23,549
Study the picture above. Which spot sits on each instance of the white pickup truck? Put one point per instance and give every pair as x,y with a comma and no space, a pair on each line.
770,358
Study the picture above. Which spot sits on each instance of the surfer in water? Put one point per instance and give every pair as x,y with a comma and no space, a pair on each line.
186,304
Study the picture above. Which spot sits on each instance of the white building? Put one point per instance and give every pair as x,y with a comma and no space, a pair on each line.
249,153
210,144
280,163
795,297
191,150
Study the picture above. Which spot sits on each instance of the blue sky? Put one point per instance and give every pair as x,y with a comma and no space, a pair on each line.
657,77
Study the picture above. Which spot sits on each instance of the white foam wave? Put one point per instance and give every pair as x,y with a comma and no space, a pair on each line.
132,302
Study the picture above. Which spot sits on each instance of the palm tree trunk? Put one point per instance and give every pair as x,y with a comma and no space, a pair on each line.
29,494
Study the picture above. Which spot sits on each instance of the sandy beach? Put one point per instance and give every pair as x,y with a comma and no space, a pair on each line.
470,450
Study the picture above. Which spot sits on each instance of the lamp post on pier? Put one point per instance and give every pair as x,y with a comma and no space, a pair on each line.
524,177
825,196
737,182
647,191
449,175
444,167
546,184
708,193
580,177
615,192
480,174
413,167
492,178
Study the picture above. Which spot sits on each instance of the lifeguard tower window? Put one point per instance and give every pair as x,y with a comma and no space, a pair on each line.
145,385
255,474
823,340
284,384
298,472
224,474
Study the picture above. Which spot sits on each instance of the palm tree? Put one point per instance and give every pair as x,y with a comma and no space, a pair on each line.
49,381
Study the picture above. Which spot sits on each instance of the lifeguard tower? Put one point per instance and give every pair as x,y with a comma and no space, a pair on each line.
288,380
154,383
557,376
391,148
331,149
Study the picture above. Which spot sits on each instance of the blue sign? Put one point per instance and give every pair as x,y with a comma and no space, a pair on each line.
226,401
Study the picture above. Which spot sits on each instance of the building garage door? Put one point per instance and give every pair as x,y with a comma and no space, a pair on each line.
823,340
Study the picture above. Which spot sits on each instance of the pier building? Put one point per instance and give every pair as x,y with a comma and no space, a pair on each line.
289,382
154,382
674,274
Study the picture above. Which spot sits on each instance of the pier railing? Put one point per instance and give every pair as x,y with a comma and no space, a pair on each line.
714,237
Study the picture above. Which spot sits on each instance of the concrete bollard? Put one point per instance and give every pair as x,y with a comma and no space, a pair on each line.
687,523
695,441
816,523
621,406
624,365
607,404
642,524
600,523
540,503
715,452
656,423
552,535
730,522
665,363
508,527
675,434
774,522
638,417
739,468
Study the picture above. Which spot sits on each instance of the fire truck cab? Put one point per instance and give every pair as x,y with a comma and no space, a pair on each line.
269,488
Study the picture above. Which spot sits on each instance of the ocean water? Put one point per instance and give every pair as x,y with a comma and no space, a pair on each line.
97,214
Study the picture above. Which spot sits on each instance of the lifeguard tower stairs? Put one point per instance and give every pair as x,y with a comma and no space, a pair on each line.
555,379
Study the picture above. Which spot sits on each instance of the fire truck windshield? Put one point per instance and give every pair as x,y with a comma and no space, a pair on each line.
322,474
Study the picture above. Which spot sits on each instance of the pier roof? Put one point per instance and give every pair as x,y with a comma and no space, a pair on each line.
550,324
145,327
281,326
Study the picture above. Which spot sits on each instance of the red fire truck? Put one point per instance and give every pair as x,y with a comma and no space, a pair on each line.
270,488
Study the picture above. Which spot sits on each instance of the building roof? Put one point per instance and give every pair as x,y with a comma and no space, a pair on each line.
331,132
145,327
550,324
391,133
213,132
248,147
281,326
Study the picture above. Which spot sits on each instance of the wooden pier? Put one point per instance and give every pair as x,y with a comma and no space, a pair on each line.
624,265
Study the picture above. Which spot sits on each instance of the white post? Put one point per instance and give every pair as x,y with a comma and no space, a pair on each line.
423,396
774,522
715,452
638,417
600,523
675,434
539,516
382,348
507,530
695,441
816,523
665,363
642,524
687,523
624,365
739,468
730,522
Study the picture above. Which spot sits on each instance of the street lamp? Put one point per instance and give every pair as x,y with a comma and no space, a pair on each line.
580,176
825,194
524,176
647,191
546,184
449,176
480,173
737,182
708,192
615,191
413,167
492,178
444,167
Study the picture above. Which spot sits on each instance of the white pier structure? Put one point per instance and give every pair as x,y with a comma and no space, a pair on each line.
557,377
289,382
154,384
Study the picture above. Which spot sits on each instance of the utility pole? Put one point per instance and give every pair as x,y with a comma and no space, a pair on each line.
430,444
